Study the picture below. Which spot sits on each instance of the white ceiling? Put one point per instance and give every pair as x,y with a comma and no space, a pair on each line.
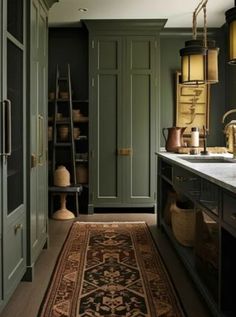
178,12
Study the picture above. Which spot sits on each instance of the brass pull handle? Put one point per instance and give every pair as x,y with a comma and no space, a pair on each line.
7,135
125,151
180,178
17,227
41,137
185,179
33,160
233,216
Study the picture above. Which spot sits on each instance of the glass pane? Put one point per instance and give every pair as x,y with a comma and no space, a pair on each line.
15,18
15,95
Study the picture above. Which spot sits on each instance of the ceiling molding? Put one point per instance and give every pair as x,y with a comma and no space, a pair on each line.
111,26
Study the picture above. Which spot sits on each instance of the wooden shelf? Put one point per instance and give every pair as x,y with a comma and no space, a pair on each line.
66,189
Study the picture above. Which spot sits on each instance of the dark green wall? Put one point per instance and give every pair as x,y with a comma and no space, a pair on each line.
171,42
69,45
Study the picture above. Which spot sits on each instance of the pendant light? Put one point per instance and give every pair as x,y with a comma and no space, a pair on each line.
199,58
231,20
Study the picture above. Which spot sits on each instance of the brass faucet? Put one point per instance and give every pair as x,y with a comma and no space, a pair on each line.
204,152
234,137
230,132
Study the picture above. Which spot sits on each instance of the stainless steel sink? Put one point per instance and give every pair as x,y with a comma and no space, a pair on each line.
208,159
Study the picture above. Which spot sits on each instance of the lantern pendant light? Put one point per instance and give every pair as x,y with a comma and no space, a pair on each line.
231,21
199,59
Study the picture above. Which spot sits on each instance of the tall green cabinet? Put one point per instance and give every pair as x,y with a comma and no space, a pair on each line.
13,145
37,233
124,93
23,113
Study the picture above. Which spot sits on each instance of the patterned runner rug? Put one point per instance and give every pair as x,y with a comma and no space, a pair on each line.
110,270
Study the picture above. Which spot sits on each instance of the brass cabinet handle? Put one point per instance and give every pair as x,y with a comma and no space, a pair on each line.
17,227
40,139
33,160
181,178
185,179
125,151
6,121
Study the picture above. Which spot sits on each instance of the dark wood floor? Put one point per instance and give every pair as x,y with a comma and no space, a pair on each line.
28,295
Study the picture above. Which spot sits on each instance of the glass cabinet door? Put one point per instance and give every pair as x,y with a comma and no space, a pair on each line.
13,105
15,120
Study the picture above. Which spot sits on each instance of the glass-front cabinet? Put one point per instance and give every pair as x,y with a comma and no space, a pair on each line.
13,144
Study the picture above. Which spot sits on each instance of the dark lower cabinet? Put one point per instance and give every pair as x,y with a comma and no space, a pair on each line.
206,251
228,274
210,211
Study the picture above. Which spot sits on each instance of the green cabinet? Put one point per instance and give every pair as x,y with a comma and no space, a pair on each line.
13,146
37,178
123,62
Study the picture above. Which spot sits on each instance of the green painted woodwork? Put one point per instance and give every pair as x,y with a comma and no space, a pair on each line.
38,179
1,182
123,111
107,135
13,168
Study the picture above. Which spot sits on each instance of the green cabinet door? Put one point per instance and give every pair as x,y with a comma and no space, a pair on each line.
37,114
14,145
139,116
105,127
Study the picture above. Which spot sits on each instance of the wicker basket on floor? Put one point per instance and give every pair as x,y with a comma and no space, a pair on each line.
183,225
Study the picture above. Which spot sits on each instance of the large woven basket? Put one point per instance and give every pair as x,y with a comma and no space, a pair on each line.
183,225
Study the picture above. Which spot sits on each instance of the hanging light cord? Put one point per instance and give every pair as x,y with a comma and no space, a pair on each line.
201,6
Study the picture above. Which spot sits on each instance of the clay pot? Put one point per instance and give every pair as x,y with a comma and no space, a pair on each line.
76,114
63,132
64,95
76,133
61,176
82,174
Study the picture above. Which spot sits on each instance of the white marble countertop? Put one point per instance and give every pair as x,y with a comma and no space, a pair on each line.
222,174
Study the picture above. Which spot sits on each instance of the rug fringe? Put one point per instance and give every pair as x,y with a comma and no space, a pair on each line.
107,222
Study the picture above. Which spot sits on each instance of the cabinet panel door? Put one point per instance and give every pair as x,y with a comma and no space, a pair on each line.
105,130
38,135
13,161
139,118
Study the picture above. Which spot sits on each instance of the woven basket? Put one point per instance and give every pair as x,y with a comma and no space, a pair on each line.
61,176
183,225
82,174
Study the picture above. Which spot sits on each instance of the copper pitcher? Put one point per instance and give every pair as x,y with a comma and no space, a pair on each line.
174,139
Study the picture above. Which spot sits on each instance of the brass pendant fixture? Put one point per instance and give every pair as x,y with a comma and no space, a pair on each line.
231,21
199,58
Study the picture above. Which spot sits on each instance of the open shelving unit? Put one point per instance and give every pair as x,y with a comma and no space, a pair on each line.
68,142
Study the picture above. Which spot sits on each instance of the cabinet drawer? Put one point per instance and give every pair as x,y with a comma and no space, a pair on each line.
209,196
14,253
187,183
229,209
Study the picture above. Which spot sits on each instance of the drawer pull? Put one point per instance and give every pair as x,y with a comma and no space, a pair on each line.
185,179
233,216
17,227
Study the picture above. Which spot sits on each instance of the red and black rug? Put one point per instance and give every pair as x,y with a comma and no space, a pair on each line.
110,270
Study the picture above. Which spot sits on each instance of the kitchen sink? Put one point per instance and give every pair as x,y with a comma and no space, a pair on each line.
208,159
